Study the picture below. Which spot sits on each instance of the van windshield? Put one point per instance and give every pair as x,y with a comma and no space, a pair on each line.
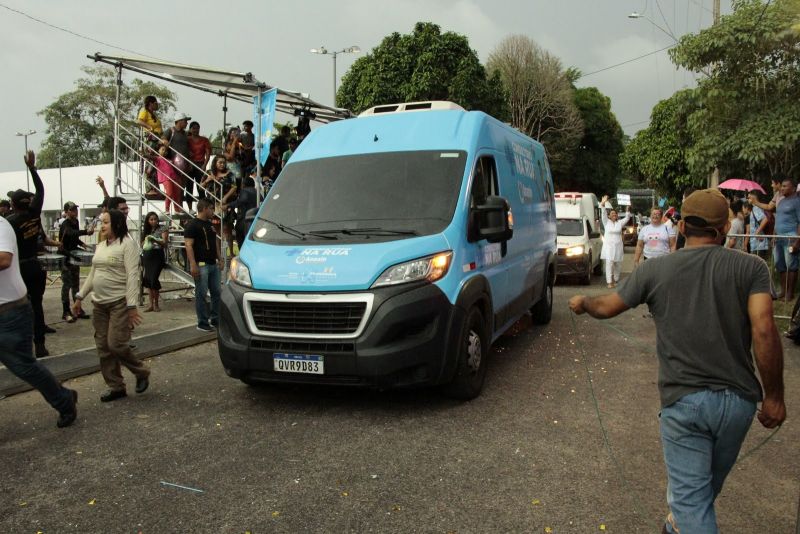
375,197
569,227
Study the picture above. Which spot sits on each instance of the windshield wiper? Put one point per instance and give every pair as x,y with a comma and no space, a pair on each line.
293,232
368,231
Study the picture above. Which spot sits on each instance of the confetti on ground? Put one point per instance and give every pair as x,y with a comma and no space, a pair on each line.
181,487
396,508
276,514
548,530
345,494
91,503
23,504
602,527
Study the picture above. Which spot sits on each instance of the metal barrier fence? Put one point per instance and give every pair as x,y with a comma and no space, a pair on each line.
768,255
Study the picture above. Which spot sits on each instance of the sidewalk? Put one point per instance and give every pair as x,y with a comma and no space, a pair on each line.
72,351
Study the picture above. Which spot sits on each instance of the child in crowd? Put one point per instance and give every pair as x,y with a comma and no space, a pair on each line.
168,178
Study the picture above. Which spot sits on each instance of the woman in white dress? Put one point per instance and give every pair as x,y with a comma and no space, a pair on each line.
613,248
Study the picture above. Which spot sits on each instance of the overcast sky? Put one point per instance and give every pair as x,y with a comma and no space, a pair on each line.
272,40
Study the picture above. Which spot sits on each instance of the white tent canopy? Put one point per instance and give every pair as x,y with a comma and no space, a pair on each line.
234,85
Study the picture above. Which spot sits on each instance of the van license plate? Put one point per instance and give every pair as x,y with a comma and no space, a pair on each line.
298,363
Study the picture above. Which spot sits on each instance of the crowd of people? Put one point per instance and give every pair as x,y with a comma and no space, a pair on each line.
182,167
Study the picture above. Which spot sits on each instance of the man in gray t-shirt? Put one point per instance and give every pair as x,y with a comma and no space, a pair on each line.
709,304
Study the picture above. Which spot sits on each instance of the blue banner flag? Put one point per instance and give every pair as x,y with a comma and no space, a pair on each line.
267,113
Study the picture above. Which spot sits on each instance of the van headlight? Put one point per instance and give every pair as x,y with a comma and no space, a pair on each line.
240,273
430,268
571,252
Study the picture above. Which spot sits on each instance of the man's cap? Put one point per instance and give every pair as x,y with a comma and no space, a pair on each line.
706,208
20,196
182,117
69,206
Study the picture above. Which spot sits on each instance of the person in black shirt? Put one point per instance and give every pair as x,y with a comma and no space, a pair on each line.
26,221
69,234
247,199
272,167
205,263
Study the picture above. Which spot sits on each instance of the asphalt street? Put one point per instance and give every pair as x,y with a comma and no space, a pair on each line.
200,452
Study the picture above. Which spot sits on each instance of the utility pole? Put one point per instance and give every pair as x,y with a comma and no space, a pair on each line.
714,179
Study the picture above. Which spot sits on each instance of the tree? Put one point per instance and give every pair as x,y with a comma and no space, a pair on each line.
747,115
80,123
424,65
540,98
596,164
657,154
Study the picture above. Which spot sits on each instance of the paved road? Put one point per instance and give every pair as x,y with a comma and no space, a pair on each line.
526,456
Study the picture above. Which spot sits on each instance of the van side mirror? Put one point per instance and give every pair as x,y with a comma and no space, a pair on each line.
493,220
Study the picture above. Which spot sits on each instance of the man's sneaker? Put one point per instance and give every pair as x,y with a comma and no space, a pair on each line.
67,418
68,317
40,350
205,328
49,330
84,315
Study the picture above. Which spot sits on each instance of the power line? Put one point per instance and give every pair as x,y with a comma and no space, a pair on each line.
635,123
637,58
75,34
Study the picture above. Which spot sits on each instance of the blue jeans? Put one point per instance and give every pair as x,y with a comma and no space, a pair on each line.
783,260
207,282
16,353
701,435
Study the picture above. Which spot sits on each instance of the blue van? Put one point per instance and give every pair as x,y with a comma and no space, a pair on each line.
393,249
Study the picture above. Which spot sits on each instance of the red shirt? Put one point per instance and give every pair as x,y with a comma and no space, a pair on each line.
198,147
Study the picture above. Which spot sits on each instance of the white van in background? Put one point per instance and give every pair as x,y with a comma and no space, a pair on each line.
579,235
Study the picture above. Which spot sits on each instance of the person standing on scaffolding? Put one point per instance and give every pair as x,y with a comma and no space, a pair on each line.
176,140
152,130
247,152
200,152
26,219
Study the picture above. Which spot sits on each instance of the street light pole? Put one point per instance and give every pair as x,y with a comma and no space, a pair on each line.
636,15
324,51
25,135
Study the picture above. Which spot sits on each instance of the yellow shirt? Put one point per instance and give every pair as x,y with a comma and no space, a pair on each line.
153,122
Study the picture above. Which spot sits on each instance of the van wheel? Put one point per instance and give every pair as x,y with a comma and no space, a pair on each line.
542,311
472,353
586,278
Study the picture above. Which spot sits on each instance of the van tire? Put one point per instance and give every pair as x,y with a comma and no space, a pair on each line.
542,311
473,350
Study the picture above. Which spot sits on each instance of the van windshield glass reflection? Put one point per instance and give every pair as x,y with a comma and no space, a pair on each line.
569,227
365,197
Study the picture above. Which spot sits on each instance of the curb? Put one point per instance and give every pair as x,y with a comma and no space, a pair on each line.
84,361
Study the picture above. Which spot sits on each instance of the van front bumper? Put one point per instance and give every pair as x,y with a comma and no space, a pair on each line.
410,339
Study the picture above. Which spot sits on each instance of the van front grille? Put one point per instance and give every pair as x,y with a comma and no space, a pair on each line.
307,318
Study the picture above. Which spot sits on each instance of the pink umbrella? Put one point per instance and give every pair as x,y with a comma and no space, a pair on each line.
737,184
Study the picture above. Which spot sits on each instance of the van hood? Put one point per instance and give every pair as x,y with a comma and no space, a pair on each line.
564,241
331,266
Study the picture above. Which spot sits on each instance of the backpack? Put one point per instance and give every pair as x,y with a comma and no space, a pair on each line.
769,229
